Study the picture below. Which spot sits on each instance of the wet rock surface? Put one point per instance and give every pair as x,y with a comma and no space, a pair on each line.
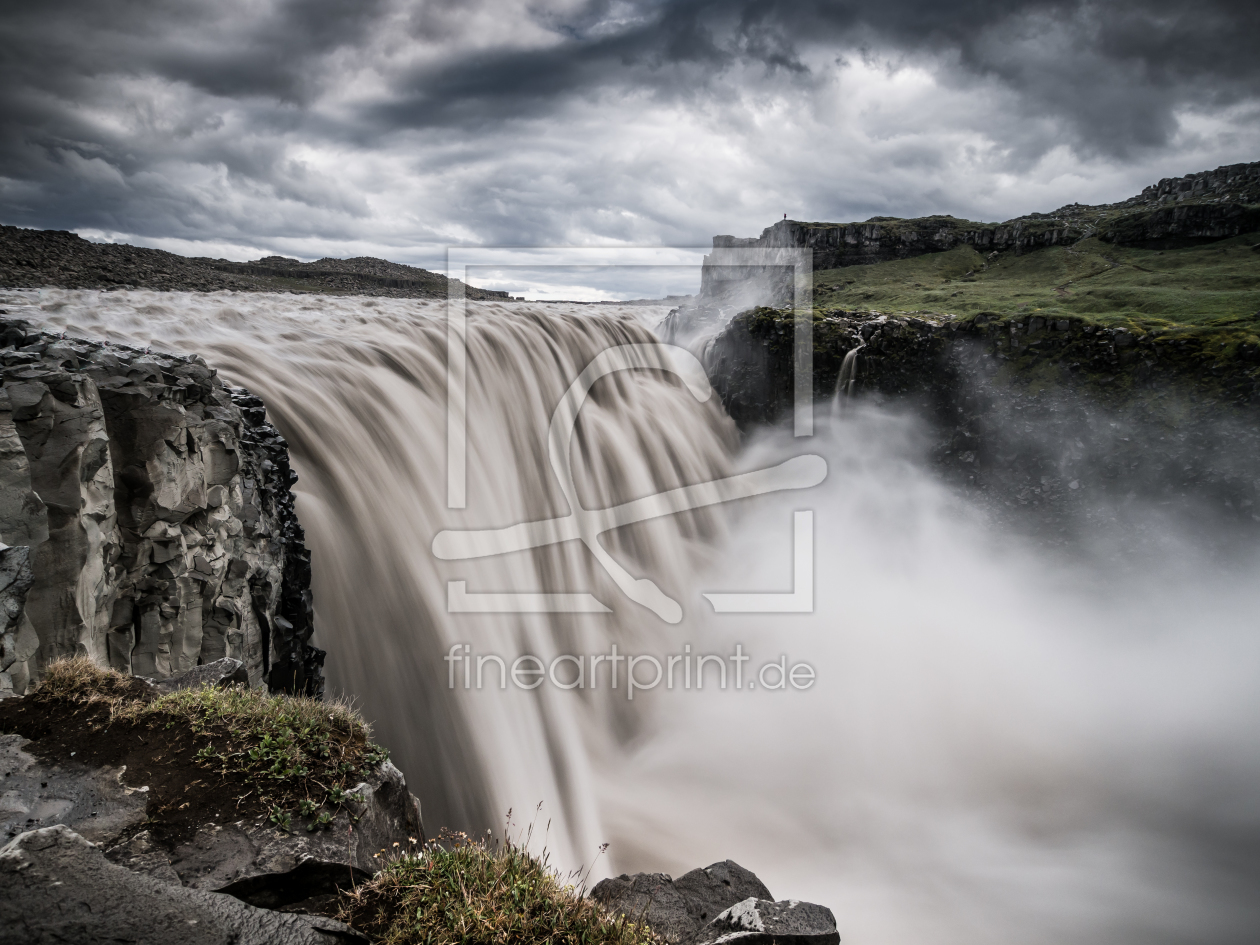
149,517
1042,417
60,888
95,801
682,910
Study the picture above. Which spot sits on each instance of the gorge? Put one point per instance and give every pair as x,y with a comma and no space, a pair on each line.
1032,624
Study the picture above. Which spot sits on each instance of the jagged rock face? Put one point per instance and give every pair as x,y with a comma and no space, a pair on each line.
1231,182
154,509
1041,415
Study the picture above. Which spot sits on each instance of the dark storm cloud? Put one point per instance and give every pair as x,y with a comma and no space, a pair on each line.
228,120
1114,72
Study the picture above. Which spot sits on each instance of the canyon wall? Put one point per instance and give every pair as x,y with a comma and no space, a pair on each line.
1046,416
146,518
1203,207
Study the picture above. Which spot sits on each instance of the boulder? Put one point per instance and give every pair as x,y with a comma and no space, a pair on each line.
713,889
60,888
761,922
219,673
677,909
649,898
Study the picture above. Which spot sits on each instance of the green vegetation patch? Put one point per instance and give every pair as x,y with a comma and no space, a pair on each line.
301,756
1215,285
468,891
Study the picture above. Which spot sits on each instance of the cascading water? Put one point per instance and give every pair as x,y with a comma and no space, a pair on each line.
359,391
847,379
1001,745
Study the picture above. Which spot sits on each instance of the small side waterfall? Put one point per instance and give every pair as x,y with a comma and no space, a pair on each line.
846,381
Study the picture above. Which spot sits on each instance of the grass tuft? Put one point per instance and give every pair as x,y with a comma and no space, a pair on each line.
460,890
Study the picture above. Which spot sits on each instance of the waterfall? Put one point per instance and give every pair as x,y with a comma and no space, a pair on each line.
359,391
1002,745
847,380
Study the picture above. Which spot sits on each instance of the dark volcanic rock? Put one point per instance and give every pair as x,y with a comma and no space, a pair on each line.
58,887
758,922
154,508
379,812
1046,418
222,672
36,258
677,909
650,898
142,796
92,800
712,889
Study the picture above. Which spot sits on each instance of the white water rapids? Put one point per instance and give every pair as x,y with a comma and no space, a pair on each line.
1000,746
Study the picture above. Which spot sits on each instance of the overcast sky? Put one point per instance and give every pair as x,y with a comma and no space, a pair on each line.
395,128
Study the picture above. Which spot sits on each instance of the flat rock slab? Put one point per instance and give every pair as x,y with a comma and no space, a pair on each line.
677,909
59,888
761,922
35,793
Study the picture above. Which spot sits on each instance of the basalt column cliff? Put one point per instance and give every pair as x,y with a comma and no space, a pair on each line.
146,518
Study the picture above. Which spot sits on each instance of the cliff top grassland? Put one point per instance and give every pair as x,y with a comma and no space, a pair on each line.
220,753
1210,286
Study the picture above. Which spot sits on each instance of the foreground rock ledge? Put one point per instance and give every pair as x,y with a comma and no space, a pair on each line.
248,857
59,887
